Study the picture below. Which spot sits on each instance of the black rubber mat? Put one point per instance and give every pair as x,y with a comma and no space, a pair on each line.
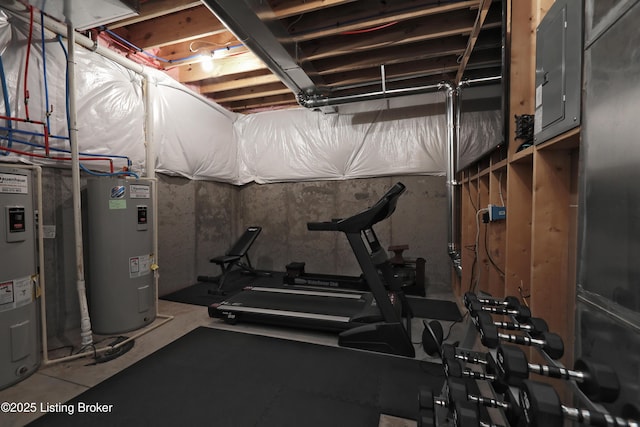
221,378
198,294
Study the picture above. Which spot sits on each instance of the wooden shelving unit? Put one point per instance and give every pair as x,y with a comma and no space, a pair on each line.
531,254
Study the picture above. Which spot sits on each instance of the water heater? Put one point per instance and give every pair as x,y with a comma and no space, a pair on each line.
120,288
19,310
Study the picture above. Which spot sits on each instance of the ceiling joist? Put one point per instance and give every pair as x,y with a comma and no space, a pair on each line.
339,44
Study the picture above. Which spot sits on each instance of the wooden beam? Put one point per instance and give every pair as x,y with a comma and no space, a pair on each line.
552,294
267,103
185,25
496,238
226,66
238,83
285,8
388,56
154,9
333,25
483,10
430,28
413,69
413,52
518,232
250,93
175,52
521,32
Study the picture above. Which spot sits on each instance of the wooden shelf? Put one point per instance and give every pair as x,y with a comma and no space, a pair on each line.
567,141
495,167
523,156
502,164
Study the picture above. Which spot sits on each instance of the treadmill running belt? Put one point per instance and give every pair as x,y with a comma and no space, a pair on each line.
343,307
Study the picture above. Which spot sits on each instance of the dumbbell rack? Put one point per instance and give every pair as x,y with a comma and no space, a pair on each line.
497,415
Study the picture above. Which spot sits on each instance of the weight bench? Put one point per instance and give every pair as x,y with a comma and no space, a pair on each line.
234,257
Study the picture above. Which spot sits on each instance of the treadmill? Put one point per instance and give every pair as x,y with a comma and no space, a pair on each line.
370,320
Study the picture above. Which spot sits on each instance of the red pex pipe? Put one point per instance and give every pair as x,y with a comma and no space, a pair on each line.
17,119
46,140
44,125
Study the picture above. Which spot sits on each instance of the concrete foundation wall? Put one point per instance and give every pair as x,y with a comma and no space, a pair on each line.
284,209
201,219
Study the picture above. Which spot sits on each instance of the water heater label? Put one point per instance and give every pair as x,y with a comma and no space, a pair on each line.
14,184
117,204
139,191
24,291
15,293
6,294
139,266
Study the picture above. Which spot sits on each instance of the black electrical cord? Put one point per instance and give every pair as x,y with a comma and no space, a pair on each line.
453,323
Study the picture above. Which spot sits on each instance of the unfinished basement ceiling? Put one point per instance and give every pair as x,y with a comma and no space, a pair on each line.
269,54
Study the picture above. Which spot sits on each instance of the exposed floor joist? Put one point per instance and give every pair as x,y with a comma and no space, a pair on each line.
340,43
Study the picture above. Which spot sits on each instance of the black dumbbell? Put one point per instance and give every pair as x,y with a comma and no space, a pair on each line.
457,392
432,337
455,368
509,306
432,344
598,382
521,313
465,413
507,302
541,407
534,325
449,351
551,343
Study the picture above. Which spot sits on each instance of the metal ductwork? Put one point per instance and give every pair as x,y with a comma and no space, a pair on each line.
453,186
264,38
317,101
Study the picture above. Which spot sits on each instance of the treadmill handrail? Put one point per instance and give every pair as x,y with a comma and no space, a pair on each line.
364,220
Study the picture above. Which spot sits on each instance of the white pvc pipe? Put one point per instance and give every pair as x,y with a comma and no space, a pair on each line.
150,160
85,322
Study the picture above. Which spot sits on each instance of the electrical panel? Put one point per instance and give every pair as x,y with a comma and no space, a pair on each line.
19,309
558,70
120,286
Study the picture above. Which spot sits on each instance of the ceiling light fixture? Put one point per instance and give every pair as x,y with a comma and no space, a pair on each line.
207,62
